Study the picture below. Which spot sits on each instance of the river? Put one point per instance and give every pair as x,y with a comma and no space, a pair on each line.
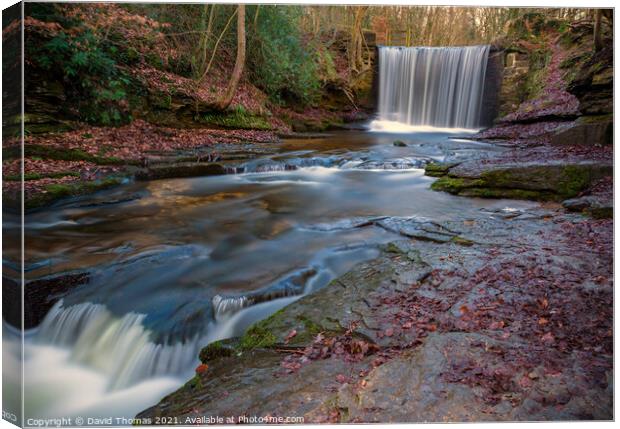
175,264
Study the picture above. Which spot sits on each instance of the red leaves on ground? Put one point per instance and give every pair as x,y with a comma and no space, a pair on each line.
553,100
290,336
345,347
141,139
202,368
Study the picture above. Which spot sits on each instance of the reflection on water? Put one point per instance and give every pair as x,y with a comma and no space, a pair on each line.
169,252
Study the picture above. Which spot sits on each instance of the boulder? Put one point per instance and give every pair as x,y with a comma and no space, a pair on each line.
586,131
597,206
541,181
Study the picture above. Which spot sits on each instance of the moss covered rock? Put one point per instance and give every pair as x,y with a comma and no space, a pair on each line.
182,169
540,182
436,169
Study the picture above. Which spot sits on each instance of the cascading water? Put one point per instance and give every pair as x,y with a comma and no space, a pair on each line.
431,87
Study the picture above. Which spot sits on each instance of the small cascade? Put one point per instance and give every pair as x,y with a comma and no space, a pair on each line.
432,87
292,285
270,165
225,306
119,347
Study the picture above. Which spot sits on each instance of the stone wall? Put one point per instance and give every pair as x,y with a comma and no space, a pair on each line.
515,71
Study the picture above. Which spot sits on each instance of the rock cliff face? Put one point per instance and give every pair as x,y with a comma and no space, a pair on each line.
493,86
516,68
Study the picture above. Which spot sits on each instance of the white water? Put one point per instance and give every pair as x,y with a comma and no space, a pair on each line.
430,87
84,361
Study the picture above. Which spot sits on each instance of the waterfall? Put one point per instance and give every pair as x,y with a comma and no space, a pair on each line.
119,347
433,87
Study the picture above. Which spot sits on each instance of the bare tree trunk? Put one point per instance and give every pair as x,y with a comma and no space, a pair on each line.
204,38
239,61
356,44
217,42
598,40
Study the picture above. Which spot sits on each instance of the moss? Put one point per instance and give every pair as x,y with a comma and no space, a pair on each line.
194,383
455,185
435,169
215,350
513,194
462,241
236,119
392,248
57,191
493,185
596,119
575,180
257,337
311,327
181,170
399,143
37,176
601,212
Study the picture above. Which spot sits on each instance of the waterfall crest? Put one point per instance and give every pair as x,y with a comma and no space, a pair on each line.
434,87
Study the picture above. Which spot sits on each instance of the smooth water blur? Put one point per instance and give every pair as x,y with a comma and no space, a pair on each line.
176,264
437,87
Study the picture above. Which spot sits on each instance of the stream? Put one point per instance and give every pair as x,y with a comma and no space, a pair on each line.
175,264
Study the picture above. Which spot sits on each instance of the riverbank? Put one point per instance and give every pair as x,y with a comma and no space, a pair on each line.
89,159
506,316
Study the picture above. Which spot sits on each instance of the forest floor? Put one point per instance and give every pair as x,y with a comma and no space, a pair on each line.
87,159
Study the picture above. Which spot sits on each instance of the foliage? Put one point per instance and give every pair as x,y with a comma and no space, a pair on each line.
88,69
237,118
278,60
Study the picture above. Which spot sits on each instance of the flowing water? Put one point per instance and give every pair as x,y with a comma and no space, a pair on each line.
178,263
431,87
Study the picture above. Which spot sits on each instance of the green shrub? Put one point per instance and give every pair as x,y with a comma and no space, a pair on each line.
278,61
86,65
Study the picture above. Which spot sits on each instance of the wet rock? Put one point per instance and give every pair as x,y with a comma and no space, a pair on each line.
399,143
187,169
435,169
39,297
426,395
251,384
593,83
433,391
393,164
514,325
294,284
587,131
419,229
599,207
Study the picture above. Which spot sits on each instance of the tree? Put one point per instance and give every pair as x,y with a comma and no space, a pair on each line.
598,39
225,101
357,37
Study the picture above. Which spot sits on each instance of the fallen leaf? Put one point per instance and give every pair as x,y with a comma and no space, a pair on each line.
289,336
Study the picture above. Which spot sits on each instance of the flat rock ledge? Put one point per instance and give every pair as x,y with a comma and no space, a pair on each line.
515,325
